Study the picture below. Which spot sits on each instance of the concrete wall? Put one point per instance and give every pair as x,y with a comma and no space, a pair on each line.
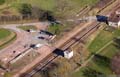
119,24
113,24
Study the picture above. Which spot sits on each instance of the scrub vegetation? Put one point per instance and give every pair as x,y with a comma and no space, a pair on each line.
107,43
27,27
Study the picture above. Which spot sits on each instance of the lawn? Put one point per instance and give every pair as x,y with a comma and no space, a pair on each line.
43,4
4,33
94,66
86,2
70,7
102,38
27,27
6,37
109,51
100,68
105,70
51,4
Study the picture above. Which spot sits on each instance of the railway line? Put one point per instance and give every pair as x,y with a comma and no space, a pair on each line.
84,33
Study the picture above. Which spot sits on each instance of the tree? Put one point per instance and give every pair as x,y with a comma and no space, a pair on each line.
25,10
117,42
101,60
88,72
48,15
2,2
55,29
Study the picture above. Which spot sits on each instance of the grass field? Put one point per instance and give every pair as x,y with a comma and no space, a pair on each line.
103,38
4,33
27,27
6,37
44,4
109,51
69,6
51,4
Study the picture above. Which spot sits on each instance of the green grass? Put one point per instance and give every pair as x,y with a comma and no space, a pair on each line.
56,29
86,2
27,27
93,65
6,37
2,2
109,51
78,73
105,70
8,41
43,4
51,4
4,33
71,7
103,38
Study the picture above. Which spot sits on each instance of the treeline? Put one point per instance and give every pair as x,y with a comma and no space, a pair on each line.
28,12
2,2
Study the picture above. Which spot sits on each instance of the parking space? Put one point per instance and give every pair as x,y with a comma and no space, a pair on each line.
41,36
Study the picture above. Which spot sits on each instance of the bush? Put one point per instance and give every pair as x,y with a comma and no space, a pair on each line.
2,2
101,60
88,72
55,29
26,9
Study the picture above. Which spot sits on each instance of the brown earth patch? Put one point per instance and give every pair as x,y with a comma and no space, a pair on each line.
115,64
102,3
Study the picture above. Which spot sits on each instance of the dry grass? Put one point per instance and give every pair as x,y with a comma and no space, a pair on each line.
25,60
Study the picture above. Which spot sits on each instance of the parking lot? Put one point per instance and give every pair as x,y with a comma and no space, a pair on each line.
23,43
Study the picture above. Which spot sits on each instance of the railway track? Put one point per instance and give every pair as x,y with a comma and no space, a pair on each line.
77,38
80,36
84,33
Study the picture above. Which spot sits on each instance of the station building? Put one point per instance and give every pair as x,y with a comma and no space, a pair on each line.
114,19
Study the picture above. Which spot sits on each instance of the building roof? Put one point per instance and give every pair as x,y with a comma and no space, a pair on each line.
115,16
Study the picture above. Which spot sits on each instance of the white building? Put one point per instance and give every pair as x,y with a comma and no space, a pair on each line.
38,45
32,31
68,54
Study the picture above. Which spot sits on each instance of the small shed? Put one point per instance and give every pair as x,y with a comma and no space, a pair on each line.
68,54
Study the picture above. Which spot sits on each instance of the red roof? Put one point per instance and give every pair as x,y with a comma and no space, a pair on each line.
114,18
